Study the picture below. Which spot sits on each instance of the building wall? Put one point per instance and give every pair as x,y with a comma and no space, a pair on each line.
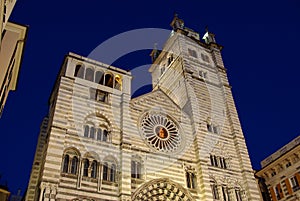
281,174
12,40
182,141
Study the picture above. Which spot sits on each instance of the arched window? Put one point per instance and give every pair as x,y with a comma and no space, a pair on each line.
105,134
105,172
94,169
99,77
86,131
92,132
188,179
66,163
86,168
191,180
215,161
215,193
118,82
109,80
238,194
224,163
113,173
135,169
99,134
79,71
74,165
89,74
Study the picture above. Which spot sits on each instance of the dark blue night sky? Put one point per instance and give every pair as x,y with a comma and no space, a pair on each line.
261,52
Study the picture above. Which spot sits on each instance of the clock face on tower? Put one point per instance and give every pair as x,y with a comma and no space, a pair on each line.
160,132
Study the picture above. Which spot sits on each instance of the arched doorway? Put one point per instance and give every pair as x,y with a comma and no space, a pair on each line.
161,189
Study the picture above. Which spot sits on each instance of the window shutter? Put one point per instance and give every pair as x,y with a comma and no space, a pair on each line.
298,177
280,190
288,186
273,194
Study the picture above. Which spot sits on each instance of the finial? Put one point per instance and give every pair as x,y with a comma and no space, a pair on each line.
155,46
175,14
206,28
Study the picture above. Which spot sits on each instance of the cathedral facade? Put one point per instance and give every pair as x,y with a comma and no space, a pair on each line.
181,141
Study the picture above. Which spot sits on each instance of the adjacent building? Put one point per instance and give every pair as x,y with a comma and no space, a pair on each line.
181,141
12,42
4,193
280,173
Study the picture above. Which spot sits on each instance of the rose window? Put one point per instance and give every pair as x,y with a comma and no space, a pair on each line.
160,132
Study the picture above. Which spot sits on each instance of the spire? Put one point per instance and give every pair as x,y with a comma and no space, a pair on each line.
177,23
155,53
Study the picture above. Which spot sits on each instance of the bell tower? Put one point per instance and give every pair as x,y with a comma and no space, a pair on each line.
192,73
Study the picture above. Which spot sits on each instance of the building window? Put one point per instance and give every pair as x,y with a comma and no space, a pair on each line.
105,135
94,169
294,183
86,131
190,180
79,71
203,74
136,169
288,164
74,165
92,132
170,59
226,193
99,134
101,96
192,53
102,135
99,77
205,58
98,95
86,168
218,161
105,172
238,195
113,173
278,192
212,128
66,164
273,173
89,132
70,162
215,193
109,80
89,74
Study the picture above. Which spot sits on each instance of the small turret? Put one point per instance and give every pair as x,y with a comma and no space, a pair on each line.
209,37
177,23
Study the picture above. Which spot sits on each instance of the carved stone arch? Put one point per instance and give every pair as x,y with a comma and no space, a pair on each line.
73,150
92,155
99,114
214,179
161,189
111,160
82,199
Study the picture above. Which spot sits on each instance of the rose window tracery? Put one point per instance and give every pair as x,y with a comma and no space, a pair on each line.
160,132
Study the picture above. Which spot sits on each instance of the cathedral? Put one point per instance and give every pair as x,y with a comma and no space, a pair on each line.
182,141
